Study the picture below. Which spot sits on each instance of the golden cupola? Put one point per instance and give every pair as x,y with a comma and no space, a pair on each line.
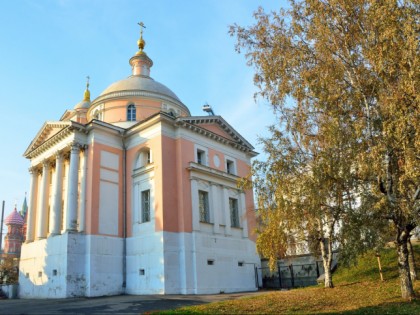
139,90
85,103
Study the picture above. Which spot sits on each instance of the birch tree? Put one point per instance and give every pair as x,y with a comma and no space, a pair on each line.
356,59
303,188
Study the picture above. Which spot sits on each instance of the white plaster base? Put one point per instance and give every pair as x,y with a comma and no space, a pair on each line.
177,263
47,267
71,265
58,267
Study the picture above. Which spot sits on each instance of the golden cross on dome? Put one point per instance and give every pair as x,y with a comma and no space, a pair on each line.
142,26
87,92
141,43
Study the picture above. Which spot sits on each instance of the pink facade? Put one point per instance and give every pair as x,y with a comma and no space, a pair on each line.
132,194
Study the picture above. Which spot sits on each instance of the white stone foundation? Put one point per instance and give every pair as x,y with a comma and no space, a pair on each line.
58,267
76,265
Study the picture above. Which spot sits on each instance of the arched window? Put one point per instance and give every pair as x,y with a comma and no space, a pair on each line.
131,113
96,114
172,112
144,158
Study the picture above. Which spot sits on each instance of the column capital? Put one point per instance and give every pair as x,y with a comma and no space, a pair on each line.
59,155
46,164
33,170
75,147
83,147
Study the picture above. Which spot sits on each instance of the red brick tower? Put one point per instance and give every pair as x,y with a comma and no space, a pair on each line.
14,237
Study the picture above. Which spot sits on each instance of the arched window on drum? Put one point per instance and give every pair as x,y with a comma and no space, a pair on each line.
131,112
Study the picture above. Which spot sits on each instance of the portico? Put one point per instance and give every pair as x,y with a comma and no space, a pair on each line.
57,193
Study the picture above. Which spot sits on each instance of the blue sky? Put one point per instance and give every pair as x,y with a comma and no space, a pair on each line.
48,47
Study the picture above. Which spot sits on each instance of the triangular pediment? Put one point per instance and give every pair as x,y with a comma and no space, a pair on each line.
217,129
217,125
48,130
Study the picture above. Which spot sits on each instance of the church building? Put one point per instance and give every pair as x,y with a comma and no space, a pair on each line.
130,194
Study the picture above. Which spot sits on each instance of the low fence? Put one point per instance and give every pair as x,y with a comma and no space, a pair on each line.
292,276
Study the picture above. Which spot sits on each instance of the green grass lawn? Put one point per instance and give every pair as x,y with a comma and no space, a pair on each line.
358,290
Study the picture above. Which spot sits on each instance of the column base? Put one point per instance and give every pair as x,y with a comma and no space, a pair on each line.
70,231
53,234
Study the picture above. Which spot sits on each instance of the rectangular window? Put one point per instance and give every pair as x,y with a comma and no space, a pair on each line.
201,157
230,167
203,197
145,205
234,215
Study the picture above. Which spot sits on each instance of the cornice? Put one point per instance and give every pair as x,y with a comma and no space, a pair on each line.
130,93
143,170
222,123
212,172
46,128
99,124
187,123
69,128
150,121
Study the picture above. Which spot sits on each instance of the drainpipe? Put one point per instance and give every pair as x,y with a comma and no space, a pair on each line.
124,187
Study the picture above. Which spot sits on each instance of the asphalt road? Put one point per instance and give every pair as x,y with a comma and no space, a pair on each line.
122,304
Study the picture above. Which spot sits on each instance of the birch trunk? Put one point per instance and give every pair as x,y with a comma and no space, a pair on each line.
326,260
407,291
411,261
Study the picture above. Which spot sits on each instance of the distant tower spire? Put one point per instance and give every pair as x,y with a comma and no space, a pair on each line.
24,209
87,92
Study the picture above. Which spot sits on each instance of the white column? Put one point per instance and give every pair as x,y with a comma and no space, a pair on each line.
82,194
226,211
42,216
66,165
195,206
71,211
57,196
215,207
243,216
30,221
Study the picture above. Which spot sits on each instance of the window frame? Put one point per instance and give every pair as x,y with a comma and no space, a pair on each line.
234,212
145,205
201,155
230,165
131,112
204,212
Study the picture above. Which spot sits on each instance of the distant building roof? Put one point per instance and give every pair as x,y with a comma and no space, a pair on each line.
14,218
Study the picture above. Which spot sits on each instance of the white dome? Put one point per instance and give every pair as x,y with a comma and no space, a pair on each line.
82,105
140,83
